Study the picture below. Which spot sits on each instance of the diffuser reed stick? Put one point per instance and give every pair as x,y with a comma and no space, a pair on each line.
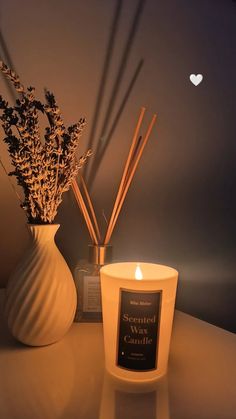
94,218
113,219
136,150
126,169
82,205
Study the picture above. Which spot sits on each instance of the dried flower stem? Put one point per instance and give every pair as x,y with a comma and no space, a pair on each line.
46,169
12,185
13,77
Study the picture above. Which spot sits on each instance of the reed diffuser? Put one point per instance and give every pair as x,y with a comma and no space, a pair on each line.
87,274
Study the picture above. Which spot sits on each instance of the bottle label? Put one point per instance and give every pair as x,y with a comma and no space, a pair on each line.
92,294
138,329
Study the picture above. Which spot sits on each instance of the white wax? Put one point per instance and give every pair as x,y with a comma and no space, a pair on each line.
121,276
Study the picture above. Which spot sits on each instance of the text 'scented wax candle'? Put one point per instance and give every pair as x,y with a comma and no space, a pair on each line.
138,305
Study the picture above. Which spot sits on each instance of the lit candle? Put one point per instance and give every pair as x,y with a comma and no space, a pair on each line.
138,306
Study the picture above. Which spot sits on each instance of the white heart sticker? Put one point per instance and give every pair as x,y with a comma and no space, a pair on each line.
196,79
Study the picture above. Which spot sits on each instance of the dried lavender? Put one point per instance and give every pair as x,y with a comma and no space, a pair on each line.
44,169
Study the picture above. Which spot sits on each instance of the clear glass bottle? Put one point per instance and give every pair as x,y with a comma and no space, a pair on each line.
88,286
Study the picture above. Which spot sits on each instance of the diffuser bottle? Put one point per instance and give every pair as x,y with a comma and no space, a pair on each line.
88,286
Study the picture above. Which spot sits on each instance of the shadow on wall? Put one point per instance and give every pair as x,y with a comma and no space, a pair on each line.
14,237
99,143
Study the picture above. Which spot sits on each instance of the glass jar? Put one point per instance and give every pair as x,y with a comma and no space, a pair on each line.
88,286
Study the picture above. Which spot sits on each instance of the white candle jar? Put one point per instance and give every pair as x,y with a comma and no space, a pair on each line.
138,302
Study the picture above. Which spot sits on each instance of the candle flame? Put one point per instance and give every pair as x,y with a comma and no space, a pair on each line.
138,273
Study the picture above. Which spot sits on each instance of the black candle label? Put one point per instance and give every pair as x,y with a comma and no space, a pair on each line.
138,329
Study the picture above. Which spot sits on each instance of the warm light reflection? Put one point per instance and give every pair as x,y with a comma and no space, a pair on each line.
138,273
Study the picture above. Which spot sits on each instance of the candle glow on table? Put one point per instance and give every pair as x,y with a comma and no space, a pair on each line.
138,305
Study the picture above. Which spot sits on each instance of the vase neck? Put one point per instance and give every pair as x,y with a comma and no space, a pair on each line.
43,233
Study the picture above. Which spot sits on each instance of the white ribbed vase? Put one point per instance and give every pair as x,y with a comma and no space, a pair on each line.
41,295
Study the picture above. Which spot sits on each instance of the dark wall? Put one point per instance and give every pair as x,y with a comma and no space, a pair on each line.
180,209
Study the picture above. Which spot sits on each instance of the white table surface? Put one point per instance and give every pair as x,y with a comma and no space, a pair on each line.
67,381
